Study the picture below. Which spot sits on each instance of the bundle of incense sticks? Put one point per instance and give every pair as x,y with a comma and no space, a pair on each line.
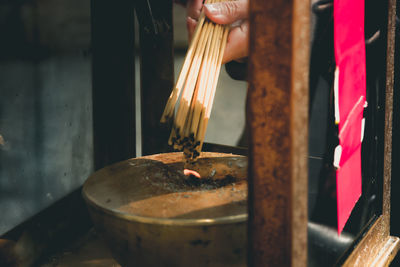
196,84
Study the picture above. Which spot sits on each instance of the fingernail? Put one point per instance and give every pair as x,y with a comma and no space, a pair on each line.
212,8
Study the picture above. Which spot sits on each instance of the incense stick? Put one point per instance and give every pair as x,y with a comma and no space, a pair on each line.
196,84
203,128
169,108
190,83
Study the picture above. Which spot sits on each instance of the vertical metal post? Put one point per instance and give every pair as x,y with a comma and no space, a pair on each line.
387,165
277,114
113,79
157,74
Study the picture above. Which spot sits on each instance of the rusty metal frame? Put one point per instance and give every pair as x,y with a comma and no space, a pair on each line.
277,115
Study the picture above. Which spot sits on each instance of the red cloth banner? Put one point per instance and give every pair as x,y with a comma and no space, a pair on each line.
349,43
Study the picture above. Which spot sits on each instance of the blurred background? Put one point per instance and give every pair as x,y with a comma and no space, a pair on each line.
46,136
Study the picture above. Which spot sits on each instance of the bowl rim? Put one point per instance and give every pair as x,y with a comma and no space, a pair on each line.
163,221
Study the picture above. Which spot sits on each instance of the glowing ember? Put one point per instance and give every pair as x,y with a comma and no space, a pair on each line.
188,172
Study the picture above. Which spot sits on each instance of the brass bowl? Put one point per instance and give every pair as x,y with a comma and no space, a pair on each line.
151,214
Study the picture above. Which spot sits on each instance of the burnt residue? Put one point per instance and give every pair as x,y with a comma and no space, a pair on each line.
208,183
172,179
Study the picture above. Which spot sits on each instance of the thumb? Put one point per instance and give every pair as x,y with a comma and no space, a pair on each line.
226,12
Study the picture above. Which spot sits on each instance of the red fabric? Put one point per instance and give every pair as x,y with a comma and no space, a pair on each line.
350,60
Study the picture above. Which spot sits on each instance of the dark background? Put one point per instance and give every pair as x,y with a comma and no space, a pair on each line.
45,104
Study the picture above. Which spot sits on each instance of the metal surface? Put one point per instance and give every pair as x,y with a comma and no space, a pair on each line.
277,110
373,244
395,182
387,158
388,252
153,215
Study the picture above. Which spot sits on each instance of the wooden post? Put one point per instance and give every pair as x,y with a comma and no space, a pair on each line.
113,77
277,114
157,75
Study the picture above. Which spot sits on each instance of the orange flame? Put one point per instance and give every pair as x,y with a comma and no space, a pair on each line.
188,172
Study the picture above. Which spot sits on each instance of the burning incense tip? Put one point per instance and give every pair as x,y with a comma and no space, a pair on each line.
188,172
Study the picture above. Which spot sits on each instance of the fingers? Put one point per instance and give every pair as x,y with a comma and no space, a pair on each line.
191,26
223,13
227,12
237,46
193,8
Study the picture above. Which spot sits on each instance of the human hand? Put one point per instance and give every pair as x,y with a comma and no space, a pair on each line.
229,12
193,10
